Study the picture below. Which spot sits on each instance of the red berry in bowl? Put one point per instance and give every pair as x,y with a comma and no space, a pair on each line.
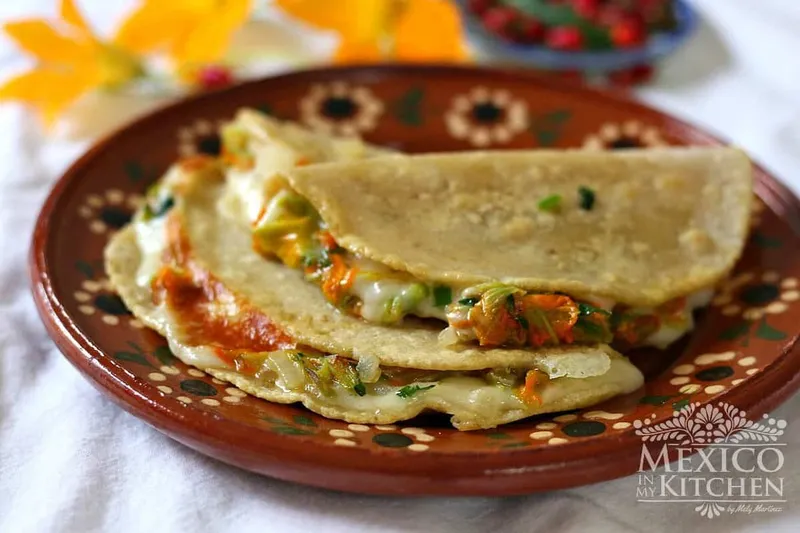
502,21
479,7
628,32
214,77
586,8
568,38
531,30
611,14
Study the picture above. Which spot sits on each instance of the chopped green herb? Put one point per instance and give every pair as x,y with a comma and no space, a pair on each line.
155,212
469,301
550,203
511,305
410,390
588,331
585,309
360,389
316,257
442,296
586,196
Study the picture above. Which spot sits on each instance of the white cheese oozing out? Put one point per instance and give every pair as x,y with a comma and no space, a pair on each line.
152,239
670,332
378,287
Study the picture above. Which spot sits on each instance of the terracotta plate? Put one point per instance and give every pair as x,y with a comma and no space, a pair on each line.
743,351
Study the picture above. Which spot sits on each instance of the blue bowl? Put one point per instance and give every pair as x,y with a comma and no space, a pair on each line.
658,45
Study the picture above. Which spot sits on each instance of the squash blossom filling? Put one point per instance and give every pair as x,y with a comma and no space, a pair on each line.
185,291
326,375
492,314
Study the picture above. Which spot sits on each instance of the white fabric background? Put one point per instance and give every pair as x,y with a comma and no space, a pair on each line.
70,461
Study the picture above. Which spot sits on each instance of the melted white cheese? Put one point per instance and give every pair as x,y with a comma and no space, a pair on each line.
672,331
152,239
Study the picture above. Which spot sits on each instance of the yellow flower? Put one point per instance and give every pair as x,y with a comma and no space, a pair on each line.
71,61
372,30
193,32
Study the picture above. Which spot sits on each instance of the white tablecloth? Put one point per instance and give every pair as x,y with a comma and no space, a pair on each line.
71,461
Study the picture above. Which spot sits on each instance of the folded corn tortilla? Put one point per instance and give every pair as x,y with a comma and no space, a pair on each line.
664,223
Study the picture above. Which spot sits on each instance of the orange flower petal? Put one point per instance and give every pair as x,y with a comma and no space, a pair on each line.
50,91
355,20
353,52
41,40
155,24
72,16
429,30
209,39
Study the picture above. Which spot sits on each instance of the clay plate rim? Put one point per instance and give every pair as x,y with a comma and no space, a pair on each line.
378,472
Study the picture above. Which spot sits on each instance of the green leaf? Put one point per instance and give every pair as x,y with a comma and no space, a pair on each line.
134,171
547,128
304,420
135,346
133,358
655,400
735,331
550,14
273,420
407,108
499,436
680,404
767,332
546,137
557,117
516,445
442,296
85,269
763,241
198,387
164,355
289,430
760,294
266,109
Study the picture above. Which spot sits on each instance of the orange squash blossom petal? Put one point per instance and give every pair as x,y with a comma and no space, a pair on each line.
47,45
208,40
410,30
51,91
429,30
153,25
72,16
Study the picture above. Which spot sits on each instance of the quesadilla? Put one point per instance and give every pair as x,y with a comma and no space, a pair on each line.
191,274
536,248
186,266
